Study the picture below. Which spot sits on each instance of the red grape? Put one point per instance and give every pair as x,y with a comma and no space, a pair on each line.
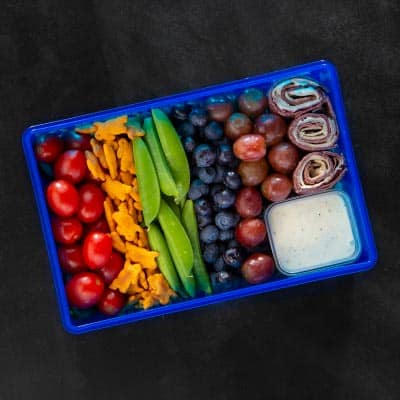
252,102
253,173
258,268
250,232
248,202
272,127
236,125
276,187
283,157
250,147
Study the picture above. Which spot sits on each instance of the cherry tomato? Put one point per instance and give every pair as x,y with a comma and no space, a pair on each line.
111,270
248,202
71,166
250,147
111,303
48,148
62,198
85,289
66,230
98,226
258,268
76,141
250,232
91,203
97,249
71,259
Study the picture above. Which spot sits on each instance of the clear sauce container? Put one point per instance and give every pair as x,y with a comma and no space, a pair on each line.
311,232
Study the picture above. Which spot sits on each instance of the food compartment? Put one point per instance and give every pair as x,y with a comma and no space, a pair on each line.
227,260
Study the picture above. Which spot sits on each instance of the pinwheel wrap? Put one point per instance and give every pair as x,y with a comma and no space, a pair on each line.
318,171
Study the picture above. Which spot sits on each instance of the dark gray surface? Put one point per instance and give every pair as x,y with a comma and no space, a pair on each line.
332,340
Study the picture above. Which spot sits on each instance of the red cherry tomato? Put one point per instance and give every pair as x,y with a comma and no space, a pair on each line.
111,270
71,166
112,302
98,226
71,259
97,249
85,289
66,230
48,148
76,141
91,199
62,198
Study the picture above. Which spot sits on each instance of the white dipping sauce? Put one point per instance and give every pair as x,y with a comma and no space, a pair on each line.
311,232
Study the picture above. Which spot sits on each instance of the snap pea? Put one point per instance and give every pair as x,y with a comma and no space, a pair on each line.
174,152
179,246
149,189
199,269
167,183
173,206
164,261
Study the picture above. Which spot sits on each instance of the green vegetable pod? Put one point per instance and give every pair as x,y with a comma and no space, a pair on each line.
167,183
149,189
179,246
164,260
174,152
199,268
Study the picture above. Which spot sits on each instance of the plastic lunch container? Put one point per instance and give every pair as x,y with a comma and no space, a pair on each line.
321,71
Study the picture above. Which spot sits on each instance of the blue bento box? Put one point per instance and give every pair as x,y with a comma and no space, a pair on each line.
321,71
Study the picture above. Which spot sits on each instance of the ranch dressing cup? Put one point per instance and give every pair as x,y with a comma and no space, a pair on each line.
311,232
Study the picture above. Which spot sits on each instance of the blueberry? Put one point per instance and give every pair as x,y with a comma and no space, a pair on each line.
224,236
213,131
224,140
186,129
219,264
189,144
219,177
222,281
198,116
203,207
233,257
225,198
211,253
217,187
207,174
203,221
234,163
204,155
209,234
226,220
232,180
197,189
232,243
225,154
180,111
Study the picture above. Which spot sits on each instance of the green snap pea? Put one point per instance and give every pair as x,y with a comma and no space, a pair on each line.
164,261
149,189
174,152
179,246
173,206
199,269
167,183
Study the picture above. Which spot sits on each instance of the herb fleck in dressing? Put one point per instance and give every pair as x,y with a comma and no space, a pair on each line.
312,232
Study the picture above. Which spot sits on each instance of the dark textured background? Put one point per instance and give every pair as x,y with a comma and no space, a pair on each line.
332,340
